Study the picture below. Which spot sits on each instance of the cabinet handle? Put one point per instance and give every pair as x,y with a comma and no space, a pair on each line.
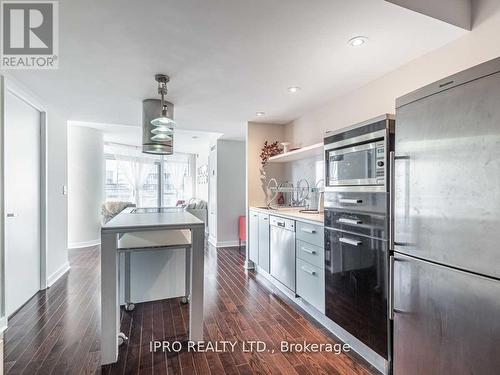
350,241
310,272
307,230
350,221
350,201
306,250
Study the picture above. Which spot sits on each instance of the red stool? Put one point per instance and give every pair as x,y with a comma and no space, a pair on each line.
242,230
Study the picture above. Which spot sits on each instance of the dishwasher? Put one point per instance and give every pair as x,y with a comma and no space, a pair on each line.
283,251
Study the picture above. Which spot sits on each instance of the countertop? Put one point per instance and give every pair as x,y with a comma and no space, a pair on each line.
126,221
294,214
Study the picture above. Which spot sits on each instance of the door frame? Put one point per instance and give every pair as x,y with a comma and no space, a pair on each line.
11,87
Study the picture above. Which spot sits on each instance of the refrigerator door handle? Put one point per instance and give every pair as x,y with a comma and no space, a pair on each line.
391,287
392,159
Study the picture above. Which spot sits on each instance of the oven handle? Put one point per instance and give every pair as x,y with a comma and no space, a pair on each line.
350,241
350,201
349,221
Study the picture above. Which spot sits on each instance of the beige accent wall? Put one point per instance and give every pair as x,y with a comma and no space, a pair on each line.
378,97
257,177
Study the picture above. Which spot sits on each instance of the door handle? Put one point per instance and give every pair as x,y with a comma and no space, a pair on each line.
11,214
350,201
309,251
307,270
307,230
350,241
350,221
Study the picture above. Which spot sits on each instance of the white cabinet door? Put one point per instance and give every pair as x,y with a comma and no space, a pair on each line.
22,202
264,241
253,237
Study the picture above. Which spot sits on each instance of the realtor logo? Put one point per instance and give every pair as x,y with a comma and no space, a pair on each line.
29,35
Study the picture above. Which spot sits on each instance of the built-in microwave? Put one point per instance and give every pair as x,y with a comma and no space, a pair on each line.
357,157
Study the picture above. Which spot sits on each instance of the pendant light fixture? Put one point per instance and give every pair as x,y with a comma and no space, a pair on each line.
157,122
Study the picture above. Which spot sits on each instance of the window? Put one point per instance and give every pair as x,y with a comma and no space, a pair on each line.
135,177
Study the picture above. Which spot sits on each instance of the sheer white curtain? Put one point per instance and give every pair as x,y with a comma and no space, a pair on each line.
136,171
177,171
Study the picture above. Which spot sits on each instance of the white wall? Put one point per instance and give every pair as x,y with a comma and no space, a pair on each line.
86,185
57,202
230,191
378,97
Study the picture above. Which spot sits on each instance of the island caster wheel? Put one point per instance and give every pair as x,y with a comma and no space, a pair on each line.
122,338
129,306
184,300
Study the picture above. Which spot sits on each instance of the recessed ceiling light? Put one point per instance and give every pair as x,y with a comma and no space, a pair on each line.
294,89
259,114
358,41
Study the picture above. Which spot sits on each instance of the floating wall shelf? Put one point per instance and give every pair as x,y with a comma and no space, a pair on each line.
301,153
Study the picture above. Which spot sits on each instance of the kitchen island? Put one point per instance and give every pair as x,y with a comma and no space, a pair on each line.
129,222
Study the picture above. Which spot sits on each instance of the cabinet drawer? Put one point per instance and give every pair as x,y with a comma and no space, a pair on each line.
311,284
311,253
310,233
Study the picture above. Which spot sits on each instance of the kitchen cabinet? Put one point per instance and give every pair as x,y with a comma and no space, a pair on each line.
258,248
264,255
311,284
310,233
310,264
253,237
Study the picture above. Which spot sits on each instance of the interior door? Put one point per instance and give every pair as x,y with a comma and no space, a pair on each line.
22,202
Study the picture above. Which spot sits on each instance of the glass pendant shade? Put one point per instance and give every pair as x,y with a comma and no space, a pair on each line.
161,137
162,121
162,129
157,132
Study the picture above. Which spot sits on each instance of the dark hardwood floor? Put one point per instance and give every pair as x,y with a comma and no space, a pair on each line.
57,331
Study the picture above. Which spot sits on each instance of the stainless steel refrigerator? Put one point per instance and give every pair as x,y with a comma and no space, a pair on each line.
446,226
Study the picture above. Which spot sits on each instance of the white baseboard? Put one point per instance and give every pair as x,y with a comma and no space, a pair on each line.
81,245
216,243
56,275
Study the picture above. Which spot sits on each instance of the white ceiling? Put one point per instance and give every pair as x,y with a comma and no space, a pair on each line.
227,58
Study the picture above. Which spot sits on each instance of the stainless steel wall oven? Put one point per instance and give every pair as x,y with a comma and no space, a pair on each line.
356,230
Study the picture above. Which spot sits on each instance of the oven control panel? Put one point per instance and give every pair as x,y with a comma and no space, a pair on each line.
380,163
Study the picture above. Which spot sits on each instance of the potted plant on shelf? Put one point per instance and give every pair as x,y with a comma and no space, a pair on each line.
269,150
